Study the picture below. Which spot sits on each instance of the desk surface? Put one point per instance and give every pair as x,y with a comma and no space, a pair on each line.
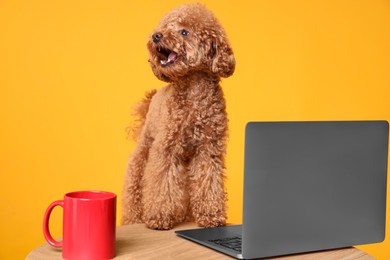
138,242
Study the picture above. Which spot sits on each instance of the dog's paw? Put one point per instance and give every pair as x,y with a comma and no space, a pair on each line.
159,222
130,220
210,220
131,216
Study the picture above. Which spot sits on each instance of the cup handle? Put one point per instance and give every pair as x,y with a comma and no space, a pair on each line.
46,231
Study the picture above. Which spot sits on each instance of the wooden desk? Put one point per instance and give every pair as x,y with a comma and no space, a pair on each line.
138,242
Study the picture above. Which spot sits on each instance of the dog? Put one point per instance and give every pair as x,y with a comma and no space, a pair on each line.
176,172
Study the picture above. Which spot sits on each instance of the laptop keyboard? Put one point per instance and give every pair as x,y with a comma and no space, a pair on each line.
229,242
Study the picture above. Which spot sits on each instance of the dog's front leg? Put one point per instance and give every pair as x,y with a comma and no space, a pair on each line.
132,191
207,194
165,198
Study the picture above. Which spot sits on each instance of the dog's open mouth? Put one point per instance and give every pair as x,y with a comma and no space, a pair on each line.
168,56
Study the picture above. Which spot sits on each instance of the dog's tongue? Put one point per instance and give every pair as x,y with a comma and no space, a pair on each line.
172,57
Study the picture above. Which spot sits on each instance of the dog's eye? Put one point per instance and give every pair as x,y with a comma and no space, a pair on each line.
184,32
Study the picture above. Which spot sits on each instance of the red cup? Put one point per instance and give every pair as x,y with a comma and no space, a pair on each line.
88,225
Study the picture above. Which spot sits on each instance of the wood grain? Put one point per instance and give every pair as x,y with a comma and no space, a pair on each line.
138,242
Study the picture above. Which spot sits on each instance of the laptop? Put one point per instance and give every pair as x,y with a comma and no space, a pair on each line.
308,186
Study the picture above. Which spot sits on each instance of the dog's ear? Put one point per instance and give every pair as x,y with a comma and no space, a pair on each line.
222,58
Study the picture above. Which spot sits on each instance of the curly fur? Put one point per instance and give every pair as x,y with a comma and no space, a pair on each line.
176,172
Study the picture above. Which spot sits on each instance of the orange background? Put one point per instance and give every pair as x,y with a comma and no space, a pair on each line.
70,71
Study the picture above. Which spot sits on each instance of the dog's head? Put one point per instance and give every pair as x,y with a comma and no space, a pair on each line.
189,38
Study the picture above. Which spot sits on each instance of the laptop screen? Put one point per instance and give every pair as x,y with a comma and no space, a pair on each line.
313,185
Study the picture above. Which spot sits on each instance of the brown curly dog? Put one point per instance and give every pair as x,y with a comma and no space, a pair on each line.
176,172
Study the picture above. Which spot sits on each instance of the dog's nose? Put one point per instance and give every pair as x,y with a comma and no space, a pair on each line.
157,37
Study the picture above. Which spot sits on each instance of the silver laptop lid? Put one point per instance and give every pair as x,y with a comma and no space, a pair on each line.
313,186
